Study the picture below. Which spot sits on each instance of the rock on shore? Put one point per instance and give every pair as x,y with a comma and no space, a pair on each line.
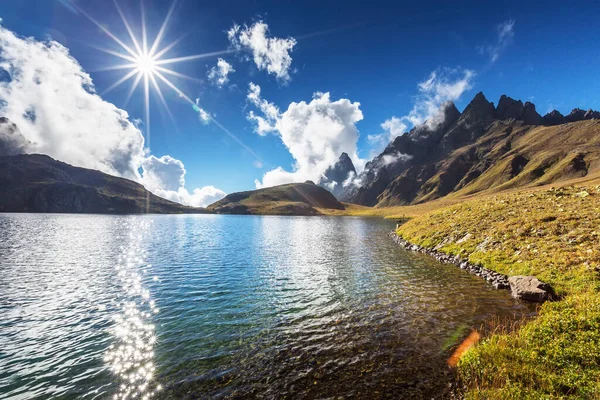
527,288
498,281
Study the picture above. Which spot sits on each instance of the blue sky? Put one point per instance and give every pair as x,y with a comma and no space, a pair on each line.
375,53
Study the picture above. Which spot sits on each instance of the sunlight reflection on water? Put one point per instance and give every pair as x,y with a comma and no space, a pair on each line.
131,355
250,307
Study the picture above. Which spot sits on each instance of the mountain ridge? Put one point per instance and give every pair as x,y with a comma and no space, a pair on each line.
482,148
39,183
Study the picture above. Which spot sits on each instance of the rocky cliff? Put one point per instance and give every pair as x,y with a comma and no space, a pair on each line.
483,148
336,175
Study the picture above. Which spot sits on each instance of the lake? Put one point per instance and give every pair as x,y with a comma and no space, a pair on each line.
212,306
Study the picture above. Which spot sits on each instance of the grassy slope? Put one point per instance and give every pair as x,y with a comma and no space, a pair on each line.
545,154
290,199
555,235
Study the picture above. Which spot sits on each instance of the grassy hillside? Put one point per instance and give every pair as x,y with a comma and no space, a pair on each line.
553,234
291,199
508,155
38,183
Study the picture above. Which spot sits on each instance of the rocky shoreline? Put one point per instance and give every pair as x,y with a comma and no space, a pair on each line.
498,281
527,288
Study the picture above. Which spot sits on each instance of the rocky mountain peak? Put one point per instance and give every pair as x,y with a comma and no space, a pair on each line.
591,114
335,175
509,108
530,115
577,114
554,117
451,113
12,141
479,109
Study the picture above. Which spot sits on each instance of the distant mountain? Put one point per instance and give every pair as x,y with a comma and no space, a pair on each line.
38,183
484,148
335,175
291,199
12,141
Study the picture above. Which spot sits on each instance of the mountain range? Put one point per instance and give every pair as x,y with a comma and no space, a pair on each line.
484,148
39,183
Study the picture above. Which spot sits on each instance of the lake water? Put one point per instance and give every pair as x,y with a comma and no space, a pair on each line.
207,306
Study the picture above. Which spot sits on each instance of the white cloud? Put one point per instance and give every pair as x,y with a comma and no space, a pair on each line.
53,102
392,158
219,74
266,123
12,142
269,53
166,173
165,177
315,133
442,86
505,35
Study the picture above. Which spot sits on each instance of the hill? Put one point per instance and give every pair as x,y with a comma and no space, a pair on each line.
552,234
484,149
291,199
38,183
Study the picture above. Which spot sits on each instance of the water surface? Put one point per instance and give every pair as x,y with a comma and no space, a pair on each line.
206,306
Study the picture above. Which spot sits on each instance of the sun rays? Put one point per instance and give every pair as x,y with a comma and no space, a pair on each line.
145,64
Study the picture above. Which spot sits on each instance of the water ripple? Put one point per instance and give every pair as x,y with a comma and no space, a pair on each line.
227,307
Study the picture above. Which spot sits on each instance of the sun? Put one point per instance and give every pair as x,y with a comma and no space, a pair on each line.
145,61
146,67
146,64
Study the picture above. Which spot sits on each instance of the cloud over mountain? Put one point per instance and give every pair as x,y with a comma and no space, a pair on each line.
315,133
53,101
442,85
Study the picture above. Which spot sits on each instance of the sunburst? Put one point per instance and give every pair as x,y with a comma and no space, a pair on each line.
146,66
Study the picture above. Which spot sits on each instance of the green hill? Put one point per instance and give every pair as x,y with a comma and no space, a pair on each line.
291,199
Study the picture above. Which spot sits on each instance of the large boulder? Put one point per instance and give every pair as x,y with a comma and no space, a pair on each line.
529,288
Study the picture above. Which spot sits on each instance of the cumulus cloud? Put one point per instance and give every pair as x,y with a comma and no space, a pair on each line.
53,101
315,133
219,74
165,177
442,86
505,35
269,53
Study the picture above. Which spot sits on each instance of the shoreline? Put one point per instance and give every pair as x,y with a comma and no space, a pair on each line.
497,280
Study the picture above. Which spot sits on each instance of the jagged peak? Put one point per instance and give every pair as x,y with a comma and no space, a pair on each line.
479,108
